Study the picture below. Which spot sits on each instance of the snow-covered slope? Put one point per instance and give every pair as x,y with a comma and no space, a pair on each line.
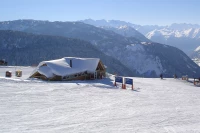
30,106
197,49
196,55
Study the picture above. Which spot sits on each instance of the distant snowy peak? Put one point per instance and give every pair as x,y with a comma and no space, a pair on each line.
183,36
173,30
127,29
153,33
191,33
196,33
110,23
166,33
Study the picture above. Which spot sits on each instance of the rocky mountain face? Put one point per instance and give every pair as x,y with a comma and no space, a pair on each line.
151,59
19,48
141,57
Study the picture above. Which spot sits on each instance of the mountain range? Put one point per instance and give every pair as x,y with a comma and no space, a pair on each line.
140,55
183,36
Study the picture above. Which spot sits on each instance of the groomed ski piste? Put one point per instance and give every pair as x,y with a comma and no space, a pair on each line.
154,106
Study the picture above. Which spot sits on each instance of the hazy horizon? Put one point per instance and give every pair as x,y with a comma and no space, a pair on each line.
141,12
99,19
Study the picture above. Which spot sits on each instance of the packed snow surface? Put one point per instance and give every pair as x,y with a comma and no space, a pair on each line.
155,106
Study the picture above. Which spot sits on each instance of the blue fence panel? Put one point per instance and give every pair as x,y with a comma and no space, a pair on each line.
119,79
128,81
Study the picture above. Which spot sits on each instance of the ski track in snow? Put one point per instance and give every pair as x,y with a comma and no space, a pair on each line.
155,106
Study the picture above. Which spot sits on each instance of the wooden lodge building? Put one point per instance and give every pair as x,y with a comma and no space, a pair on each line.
70,68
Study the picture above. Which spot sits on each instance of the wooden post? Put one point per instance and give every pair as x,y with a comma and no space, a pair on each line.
124,86
132,85
123,83
115,82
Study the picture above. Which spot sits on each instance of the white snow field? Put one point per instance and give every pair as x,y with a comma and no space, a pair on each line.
155,106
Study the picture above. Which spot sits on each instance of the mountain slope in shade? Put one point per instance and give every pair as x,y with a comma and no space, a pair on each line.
20,48
145,58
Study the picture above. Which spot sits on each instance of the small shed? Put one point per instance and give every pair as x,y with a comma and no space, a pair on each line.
8,74
185,77
18,73
70,68
197,81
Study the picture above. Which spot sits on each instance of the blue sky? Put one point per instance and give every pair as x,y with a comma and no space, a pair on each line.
143,12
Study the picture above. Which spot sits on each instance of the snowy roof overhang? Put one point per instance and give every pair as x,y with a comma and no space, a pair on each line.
61,67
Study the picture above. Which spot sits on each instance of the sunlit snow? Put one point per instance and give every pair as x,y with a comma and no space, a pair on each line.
155,106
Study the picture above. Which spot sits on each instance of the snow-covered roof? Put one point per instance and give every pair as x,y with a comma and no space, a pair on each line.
61,67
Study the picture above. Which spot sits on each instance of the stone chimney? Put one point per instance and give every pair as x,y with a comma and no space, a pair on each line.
70,63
